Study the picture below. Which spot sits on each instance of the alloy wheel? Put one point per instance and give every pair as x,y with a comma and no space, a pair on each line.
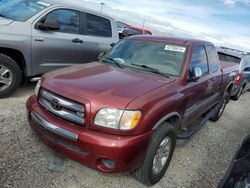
161,155
6,77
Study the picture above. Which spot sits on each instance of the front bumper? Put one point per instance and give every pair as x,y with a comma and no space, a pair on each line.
86,146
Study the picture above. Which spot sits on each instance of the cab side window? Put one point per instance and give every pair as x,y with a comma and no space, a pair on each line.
214,63
199,59
68,20
98,26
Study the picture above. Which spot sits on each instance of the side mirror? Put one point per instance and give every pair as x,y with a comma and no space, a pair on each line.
50,23
101,55
195,74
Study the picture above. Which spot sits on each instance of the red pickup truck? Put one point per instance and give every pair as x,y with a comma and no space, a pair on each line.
125,112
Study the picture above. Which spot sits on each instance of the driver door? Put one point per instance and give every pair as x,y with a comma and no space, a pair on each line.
197,92
60,48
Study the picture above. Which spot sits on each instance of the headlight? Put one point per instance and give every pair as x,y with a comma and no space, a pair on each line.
117,119
38,85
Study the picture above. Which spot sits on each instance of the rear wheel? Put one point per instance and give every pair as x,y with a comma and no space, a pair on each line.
158,157
10,76
219,109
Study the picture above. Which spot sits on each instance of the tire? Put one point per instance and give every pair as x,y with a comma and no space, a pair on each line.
219,109
237,96
10,76
147,174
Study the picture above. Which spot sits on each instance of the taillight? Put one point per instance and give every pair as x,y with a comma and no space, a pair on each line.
238,79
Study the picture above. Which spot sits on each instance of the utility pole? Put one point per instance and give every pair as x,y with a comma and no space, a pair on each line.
102,4
143,23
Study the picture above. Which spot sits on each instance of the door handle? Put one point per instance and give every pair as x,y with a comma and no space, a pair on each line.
77,40
39,39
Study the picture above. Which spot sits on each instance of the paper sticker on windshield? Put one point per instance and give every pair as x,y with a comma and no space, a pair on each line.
43,3
175,48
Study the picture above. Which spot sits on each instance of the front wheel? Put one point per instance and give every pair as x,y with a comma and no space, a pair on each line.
159,155
219,109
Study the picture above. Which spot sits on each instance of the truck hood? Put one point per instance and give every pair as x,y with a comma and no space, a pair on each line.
102,84
4,21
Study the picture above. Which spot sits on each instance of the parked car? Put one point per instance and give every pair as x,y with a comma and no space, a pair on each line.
40,36
126,30
242,81
140,31
125,112
238,173
121,26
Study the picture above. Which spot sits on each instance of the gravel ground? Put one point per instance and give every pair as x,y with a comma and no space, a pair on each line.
198,162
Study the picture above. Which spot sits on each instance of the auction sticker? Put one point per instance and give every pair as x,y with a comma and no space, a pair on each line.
43,3
175,48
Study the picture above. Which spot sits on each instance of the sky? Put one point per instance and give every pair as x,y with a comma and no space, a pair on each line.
224,22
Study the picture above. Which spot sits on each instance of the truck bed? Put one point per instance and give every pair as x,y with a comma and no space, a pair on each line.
228,67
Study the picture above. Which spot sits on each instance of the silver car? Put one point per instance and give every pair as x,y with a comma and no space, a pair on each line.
39,36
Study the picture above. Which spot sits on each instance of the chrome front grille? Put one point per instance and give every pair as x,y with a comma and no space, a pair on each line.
62,108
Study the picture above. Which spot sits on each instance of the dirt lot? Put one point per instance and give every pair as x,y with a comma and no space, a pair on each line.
198,162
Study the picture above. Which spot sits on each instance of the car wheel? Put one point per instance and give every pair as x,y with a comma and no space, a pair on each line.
159,155
237,96
219,109
10,76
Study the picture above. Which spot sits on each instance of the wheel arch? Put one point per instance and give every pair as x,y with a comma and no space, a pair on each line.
173,118
230,87
17,56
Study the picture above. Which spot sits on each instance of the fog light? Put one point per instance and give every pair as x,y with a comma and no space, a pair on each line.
108,164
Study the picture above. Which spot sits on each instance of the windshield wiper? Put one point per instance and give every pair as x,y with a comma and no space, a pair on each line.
151,69
108,60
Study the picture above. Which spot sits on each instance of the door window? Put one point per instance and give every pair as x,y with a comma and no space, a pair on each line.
98,26
199,59
68,20
214,63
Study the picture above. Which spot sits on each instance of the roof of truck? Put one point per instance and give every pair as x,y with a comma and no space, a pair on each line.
182,41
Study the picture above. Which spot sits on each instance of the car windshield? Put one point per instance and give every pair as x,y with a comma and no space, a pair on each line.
21,10
164,57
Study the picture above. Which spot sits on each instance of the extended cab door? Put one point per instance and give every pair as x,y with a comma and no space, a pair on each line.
197,92
215,77
100,29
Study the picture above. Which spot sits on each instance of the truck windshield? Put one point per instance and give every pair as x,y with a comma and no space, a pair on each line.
21,10
164,57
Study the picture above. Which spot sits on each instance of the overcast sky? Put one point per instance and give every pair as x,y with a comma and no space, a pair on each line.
224,22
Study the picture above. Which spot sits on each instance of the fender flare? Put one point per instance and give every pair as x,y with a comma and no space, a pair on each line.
228,85
166,117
